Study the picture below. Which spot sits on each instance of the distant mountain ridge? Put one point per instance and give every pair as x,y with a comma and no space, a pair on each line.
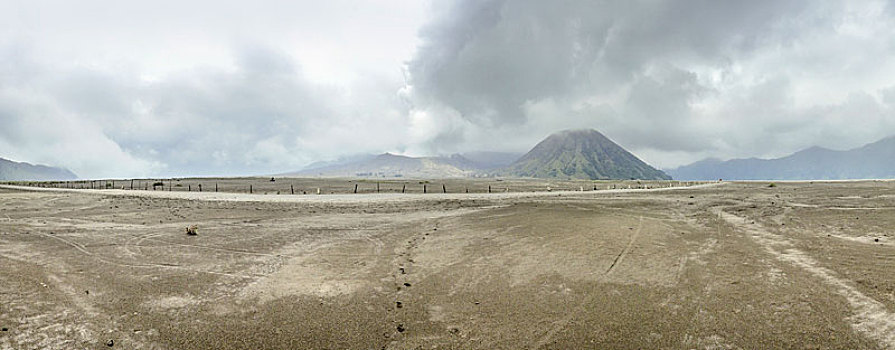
492,160
392,165
871,161
21,171
582,154
570,154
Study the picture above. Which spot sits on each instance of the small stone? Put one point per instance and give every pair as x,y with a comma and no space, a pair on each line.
876,239
398,304
400,328
110,343
408,284
4,329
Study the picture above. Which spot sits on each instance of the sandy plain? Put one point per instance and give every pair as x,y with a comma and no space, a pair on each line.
802,265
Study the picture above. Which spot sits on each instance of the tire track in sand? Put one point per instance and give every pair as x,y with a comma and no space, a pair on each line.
627,249
559,325
86,252
870,316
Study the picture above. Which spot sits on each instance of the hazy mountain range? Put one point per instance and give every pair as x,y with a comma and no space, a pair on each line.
871,161
392,165
571,154
21,171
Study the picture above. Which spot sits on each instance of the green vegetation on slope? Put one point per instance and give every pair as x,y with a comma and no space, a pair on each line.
582,154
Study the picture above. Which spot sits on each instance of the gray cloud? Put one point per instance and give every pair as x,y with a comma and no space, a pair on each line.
673,80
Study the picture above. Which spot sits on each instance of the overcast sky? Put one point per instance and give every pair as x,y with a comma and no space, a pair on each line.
217,87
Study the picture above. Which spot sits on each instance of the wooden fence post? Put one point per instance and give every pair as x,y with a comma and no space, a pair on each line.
424,188
489,188
403,187
355,188
189,188
377,187
250,189
200,187
292,189
215,186
443,189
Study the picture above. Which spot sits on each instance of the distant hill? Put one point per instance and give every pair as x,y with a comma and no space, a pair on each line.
491,160
20,171
582,154
341,161
391,165
872,161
